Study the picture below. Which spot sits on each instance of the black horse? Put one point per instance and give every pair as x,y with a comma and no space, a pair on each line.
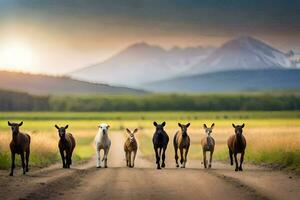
160,143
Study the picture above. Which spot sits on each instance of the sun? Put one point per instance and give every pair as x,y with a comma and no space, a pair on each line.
16,56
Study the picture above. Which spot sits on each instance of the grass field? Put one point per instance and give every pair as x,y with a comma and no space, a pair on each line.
272,137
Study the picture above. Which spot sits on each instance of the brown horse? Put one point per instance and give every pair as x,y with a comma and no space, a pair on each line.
130,146
66,145
208,144
19,144
182,141
237,144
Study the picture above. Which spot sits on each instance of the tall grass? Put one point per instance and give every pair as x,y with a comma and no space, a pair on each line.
272,137
273,142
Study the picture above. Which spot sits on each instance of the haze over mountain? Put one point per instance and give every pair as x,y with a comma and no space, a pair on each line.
140,63
42,84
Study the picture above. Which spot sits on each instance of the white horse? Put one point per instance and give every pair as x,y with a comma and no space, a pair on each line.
102,142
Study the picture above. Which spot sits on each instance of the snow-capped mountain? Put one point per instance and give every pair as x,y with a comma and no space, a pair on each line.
241,54
140,63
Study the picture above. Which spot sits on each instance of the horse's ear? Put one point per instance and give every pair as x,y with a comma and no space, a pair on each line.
213,125
163,124
135,131
154,123
56,126
8,122
188,124
233,125
21,123
128,131
66,126
179,125
243,125
204,126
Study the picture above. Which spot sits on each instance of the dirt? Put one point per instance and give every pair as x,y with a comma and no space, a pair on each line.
85,181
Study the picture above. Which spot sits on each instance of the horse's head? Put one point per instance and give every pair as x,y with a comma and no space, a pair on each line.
184,128
103,128
238,129
14,127
61,131
208,131
159,127
131,134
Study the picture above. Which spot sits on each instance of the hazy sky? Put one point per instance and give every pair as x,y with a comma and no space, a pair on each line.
57,36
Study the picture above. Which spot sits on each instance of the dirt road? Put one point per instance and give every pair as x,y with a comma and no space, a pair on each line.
84,181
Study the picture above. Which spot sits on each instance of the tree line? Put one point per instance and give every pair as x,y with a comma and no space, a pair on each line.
17,101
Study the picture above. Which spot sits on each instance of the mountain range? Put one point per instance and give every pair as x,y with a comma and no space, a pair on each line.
147,66
231,81
141,63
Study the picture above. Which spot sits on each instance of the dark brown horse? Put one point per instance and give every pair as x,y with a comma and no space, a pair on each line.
19,144
237,144
160,142
181,141
66,146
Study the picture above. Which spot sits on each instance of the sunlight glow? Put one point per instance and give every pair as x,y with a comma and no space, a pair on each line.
17,56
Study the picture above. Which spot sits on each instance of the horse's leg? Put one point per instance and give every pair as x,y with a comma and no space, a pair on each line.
98,165
12,163
105,156
236,162
130,163
164,157
181,156
204,159
210,158
68,158
27,159
23,162
71,154
157,158
176,155
185,156
62,157
126,157
241,162
134,155
230,156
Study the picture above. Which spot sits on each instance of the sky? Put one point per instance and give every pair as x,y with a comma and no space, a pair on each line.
58,36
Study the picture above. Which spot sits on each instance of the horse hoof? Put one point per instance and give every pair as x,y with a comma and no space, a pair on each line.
98,166
27,170
209,166
163,165
236,169
105,166
11,174
158,167
177,165
240,169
